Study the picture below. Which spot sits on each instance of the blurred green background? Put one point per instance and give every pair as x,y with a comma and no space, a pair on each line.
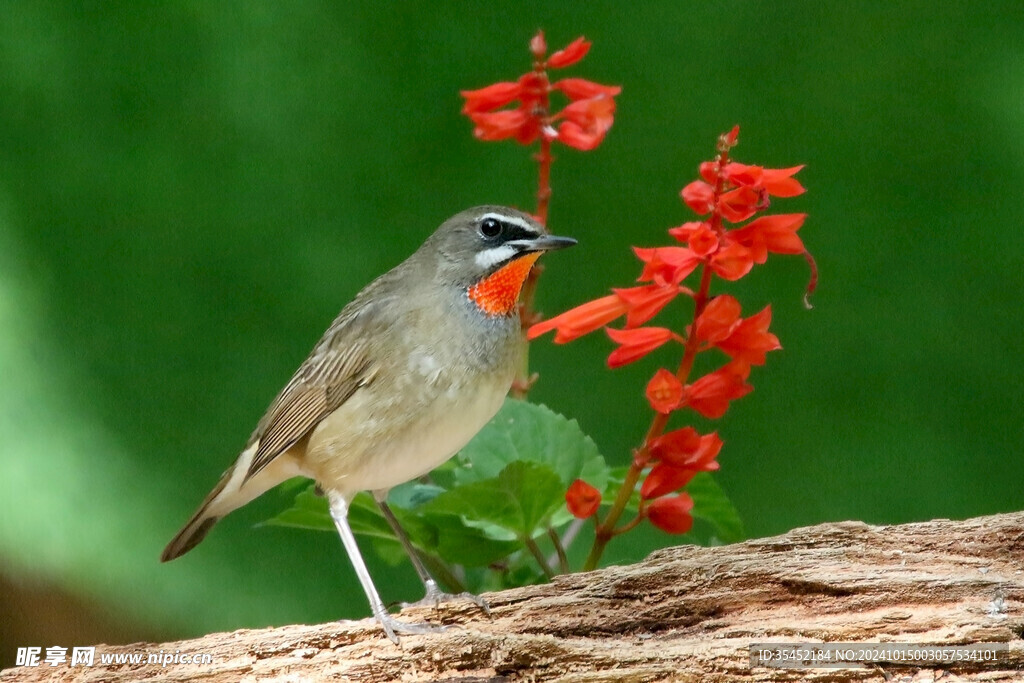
190,191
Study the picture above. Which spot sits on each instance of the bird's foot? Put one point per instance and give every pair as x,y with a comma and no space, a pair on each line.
435,596
393,626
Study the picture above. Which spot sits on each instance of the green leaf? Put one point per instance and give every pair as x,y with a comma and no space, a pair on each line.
308,511
459,543
529,432
521,500
712,505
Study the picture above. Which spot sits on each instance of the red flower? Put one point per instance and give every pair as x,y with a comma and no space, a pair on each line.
709,171
635,344
664,391
582,89
778,182
672,514
663,479
776,234
750,340
747,339
718,319
574,52
683,441
645,301
683,232
586,122
666,264
491,97
732,261
504,124
680,455
685,448
582,499
699,196
710,395
740,204
581,320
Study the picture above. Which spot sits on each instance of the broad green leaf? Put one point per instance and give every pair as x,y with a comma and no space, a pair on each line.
308,511
529,432
413,494
520,499
458,543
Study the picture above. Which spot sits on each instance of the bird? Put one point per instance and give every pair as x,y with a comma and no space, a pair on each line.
404,377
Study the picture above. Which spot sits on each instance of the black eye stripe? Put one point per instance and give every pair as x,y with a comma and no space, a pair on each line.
506,230
517,232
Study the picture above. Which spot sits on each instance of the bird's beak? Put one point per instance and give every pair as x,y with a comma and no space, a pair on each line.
549,243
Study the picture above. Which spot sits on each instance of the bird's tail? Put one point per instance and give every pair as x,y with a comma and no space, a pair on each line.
231,492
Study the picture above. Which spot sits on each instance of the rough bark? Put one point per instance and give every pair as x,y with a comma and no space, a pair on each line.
685,613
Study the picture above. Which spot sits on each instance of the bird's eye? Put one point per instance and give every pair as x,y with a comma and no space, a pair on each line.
490,227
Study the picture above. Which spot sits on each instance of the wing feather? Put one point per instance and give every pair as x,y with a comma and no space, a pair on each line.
322,384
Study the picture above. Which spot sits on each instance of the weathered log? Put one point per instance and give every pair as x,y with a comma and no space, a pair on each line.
685,613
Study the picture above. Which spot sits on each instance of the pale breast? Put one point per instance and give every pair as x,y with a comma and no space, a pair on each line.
373,443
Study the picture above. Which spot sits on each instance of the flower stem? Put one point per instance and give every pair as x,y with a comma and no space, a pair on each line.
527,316
534,549
563,559
606,529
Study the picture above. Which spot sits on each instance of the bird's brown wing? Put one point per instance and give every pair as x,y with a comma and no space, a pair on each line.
322,384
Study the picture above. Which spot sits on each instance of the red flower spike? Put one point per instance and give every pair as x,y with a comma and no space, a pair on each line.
780,183
732,262
491,97
582,125
699,196
719,318
710,395
582,89
666,264
672,514
581,320
635,344
582,499
574,52
664,391
663,479
750,340
646,301
776,234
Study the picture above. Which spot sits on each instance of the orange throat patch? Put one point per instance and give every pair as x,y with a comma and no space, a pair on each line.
498,293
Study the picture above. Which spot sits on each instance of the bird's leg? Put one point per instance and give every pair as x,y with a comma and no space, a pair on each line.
434,596
339,512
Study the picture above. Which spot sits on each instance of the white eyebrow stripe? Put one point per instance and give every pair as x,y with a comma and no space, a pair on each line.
514,220
494,255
